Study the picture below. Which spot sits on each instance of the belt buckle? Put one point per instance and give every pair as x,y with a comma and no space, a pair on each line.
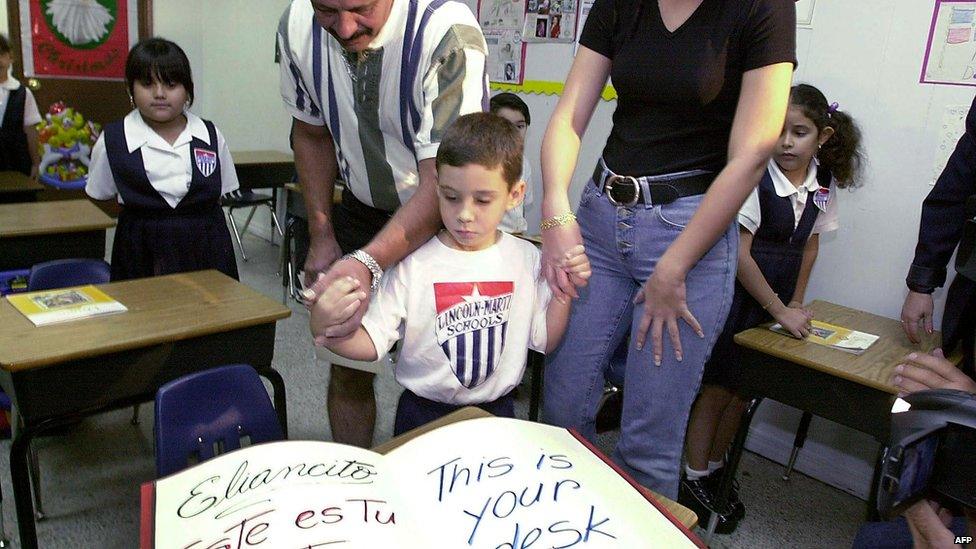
614,180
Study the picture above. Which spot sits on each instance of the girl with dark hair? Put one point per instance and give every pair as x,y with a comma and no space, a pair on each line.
18,117
168,168
779,237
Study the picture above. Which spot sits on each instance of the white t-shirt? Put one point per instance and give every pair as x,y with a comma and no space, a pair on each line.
168,167
31,115
827,220
514,220
377,156
466,319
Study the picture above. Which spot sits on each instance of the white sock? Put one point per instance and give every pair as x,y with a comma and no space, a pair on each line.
693,474
715,465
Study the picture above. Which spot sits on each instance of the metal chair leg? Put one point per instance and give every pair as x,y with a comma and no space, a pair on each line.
35,478
135,415
274,219
247,222
237,234
798,441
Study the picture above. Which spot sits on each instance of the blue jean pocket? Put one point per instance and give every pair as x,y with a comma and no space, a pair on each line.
677,214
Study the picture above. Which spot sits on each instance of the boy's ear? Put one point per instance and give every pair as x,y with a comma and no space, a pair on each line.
516,194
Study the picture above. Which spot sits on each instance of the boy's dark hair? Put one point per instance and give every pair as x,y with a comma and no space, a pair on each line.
158,59
507,100
841,154
485,139
4,44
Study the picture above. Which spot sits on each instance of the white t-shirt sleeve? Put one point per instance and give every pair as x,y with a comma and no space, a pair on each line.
538,334
828,220
749,215
299,103
228,173
387,310
455,80
101,182
32,116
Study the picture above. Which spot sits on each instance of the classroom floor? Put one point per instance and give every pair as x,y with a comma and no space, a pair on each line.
91,476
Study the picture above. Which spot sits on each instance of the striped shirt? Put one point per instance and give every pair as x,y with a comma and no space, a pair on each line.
387,110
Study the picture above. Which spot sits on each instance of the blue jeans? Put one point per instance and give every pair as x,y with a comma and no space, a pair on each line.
624,245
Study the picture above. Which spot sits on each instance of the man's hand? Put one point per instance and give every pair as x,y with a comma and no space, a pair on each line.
921,371
916,310
337,304
323,251
929,524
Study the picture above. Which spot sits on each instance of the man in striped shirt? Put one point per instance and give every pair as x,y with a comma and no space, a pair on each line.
372,85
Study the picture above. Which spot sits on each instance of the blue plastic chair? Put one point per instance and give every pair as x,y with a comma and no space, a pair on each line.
203,414
62,273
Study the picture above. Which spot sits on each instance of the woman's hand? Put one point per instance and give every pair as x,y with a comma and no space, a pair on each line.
557,245
795,320
920,371
663,296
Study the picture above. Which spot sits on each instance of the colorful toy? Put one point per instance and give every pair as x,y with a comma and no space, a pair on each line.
66,139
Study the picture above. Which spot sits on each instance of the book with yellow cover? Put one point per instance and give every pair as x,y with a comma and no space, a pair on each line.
835,337
52,306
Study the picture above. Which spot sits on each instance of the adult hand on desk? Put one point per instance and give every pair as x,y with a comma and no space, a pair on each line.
921,371
917,308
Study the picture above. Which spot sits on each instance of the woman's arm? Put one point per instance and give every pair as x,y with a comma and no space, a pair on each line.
757,124
560,151
810,251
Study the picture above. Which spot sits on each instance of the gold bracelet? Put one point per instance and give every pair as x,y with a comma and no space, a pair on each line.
557,221
771,301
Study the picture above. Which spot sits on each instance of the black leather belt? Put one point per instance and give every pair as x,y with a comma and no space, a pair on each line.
626,190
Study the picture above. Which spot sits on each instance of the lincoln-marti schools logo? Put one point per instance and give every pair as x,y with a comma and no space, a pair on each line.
206,161
81,23
472,318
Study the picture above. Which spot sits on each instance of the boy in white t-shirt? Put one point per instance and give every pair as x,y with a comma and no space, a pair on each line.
469,302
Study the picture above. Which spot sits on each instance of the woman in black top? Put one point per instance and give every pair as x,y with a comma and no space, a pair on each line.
703,88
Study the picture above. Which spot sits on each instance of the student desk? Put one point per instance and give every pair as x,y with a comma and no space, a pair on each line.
34,232
175,325
263,169
17,187
686,516
845,388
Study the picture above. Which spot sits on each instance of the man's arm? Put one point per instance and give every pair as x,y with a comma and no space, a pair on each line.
315,162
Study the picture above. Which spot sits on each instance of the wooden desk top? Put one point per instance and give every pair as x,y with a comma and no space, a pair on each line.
61,216
161,309
16,182
262,157
683,514
873,368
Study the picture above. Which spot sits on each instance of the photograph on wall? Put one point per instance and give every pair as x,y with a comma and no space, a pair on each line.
73,39
550,21
501,22
950,54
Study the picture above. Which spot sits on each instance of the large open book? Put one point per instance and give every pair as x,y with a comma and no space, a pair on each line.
488,482
52,306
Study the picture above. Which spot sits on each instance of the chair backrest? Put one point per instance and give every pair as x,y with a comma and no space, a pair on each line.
203,414
62,273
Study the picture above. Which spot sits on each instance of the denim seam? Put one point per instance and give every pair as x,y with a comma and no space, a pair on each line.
605,357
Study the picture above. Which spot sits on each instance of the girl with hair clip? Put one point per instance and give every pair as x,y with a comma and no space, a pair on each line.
779,237
168,168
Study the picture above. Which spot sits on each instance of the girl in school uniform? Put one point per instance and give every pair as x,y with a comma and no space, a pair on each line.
168,168
18,116
780,223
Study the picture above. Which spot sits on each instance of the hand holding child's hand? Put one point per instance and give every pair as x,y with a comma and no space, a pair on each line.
576,265
337,304
795,320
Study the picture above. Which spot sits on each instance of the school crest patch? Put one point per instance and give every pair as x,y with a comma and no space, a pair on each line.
205,160
821,198
472,318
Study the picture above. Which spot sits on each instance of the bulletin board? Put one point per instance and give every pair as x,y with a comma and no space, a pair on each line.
950,53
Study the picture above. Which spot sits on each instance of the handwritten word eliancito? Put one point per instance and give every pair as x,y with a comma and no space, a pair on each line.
214,491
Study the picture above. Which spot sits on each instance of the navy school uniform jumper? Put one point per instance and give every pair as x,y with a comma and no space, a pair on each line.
14,152
152,238
777,248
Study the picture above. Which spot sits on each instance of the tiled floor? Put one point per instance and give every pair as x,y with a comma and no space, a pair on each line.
91,476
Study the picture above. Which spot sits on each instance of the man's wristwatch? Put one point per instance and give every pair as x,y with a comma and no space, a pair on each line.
371,264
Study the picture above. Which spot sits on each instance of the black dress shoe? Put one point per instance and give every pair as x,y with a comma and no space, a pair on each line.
698,496
735,508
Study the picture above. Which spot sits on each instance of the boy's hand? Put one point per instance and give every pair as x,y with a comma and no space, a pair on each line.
575,264
337,304
795,320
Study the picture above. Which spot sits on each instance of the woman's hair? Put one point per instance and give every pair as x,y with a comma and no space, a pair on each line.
4,44
507,100
158,59
841,154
